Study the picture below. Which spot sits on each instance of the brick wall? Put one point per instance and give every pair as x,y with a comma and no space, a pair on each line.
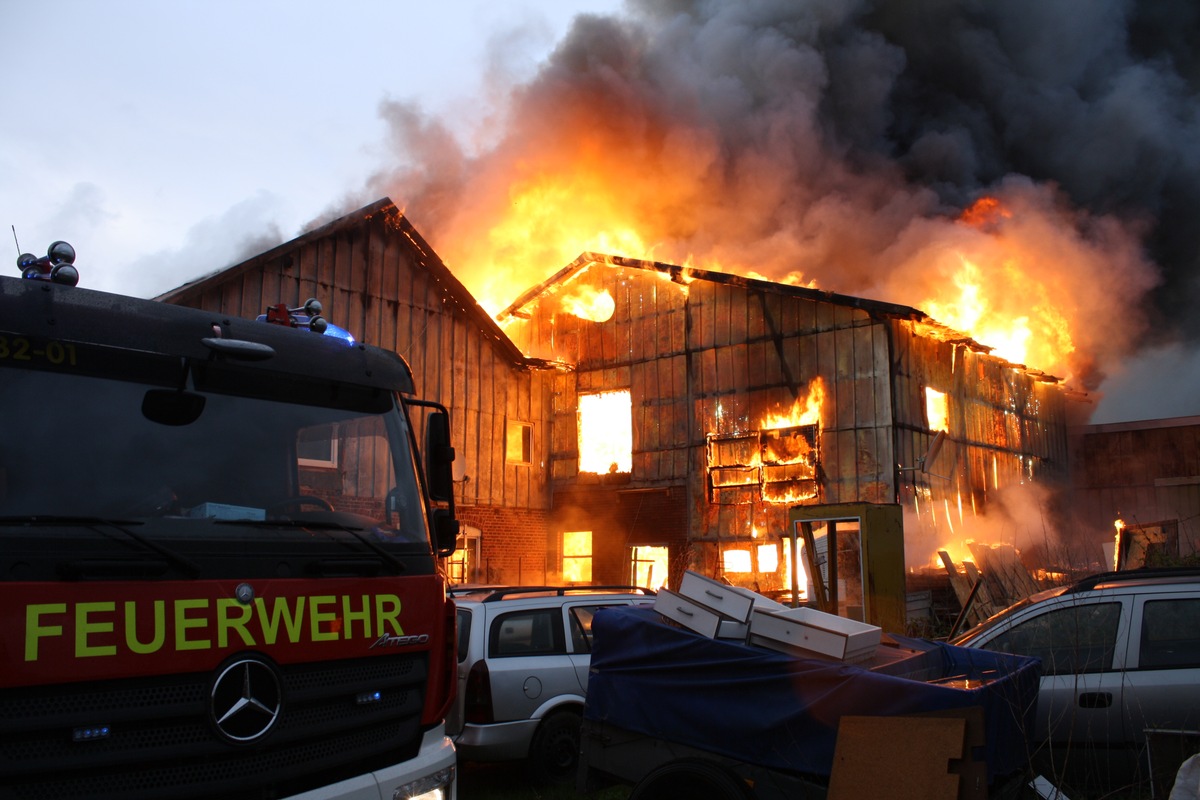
622,518
513,544
522,545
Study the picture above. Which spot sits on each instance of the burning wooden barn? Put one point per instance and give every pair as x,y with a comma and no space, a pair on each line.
626,420
736,399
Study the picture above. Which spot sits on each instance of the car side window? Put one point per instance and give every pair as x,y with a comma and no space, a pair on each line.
1068,640
1170,634
530,632
581,626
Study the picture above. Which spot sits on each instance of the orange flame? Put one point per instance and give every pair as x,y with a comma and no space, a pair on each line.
998,295
1120,526
984,212
590,304
805,411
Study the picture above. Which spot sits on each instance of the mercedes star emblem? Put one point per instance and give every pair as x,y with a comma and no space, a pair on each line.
246,699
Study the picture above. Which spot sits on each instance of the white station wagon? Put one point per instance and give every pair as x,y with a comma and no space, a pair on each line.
523,659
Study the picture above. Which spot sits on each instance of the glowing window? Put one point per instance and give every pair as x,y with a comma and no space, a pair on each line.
937,410
649,566
606,432
737,561
768,558
518,443
577,557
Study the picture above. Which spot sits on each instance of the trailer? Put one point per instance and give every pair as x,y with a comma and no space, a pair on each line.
678,714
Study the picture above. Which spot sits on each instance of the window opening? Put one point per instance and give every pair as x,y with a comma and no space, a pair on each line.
317,446
649,566
937,410
518,445
606,432
577,556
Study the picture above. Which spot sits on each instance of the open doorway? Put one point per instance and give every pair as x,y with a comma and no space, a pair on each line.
648,566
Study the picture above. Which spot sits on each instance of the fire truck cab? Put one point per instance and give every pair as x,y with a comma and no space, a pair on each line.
220,554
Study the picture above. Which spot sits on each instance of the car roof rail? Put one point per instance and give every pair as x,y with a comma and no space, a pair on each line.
1124,575
499,593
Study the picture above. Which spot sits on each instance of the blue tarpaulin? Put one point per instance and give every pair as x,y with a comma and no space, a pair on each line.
776,710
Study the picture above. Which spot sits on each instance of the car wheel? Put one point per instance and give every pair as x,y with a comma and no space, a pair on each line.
554,752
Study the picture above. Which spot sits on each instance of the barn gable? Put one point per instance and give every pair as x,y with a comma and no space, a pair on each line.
377,277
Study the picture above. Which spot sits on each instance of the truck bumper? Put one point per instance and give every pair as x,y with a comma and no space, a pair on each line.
420,778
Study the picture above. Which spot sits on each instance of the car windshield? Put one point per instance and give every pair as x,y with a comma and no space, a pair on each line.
237,445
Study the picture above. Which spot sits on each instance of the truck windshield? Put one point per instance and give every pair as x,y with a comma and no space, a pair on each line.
238,445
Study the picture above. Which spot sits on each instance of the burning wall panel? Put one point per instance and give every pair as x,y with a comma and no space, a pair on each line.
744,352
707,359
1007,428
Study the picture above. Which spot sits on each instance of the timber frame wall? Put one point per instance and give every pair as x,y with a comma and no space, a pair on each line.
707,356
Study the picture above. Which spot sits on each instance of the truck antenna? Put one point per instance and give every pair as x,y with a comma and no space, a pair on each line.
18,244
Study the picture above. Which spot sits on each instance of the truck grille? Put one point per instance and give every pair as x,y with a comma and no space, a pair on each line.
161,741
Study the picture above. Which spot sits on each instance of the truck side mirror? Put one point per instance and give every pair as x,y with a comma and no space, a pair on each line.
439,457
445,532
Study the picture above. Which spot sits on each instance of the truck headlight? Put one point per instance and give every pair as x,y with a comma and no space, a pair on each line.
431,787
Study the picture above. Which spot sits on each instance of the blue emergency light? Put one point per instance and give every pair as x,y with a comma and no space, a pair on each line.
57,266
307,316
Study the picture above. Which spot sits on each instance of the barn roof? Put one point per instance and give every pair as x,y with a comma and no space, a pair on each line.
453,291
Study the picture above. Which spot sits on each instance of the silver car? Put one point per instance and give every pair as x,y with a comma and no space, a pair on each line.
1120,673
523,658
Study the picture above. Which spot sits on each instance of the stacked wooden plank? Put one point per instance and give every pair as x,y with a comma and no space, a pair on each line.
992,582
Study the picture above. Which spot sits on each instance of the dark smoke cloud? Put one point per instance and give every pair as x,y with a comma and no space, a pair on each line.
1099,98
835,142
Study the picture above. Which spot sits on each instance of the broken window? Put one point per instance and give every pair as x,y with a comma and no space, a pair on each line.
736,561
775,466
649,566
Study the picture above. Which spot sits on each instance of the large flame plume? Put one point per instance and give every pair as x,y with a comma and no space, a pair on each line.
779,140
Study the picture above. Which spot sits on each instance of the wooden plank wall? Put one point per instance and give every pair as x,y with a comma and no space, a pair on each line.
1006,427
714,358
758,351
370,281
1140,472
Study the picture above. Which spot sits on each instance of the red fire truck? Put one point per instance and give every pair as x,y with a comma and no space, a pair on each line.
220,566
